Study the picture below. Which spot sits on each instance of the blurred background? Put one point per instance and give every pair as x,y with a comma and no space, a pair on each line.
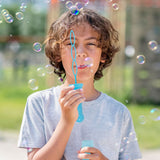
133,79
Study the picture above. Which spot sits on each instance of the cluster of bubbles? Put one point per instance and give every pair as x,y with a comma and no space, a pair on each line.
77,7
115,6
9,18
41,71
154,116
125,141
141,59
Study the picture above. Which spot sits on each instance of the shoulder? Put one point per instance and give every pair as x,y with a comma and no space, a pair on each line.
114,105
44,95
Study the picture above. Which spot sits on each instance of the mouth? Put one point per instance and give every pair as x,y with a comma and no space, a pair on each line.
82,66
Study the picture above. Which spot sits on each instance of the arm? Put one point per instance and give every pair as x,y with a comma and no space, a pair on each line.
69,101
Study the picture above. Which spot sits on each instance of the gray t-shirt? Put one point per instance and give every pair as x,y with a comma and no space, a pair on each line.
107,123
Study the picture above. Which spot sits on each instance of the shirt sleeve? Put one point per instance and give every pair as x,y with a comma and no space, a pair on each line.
129,148
32,128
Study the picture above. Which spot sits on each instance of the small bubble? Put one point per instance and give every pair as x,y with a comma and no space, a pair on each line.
126,101
153,45
33,84
125,140
9,18
74,10
23,7
60,79
88,62
69,4
155,114
49,69
4,12
121,150
129,51
41,72
19,16
86,2
115,6
37,47
140,59
142,119
79,5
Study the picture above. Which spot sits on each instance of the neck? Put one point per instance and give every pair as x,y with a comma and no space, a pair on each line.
89,90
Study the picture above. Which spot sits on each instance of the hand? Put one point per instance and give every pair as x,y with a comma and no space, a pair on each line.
69,100
95,154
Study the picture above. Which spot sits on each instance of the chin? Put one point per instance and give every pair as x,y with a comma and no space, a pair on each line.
83,78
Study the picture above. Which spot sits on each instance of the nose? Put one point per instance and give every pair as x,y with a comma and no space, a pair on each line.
81,52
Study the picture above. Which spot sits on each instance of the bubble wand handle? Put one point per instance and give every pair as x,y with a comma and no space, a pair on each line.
76,85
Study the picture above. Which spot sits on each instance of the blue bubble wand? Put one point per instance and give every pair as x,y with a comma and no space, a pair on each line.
76,85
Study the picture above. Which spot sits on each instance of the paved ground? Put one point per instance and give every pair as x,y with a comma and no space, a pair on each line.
9,150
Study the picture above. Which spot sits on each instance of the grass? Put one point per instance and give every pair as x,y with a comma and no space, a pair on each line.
13,95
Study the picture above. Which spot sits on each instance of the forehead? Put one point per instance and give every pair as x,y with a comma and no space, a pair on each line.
84,30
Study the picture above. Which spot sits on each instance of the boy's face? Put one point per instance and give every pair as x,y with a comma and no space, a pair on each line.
86,44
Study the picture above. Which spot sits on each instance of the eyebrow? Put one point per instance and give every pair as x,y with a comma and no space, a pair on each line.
90,38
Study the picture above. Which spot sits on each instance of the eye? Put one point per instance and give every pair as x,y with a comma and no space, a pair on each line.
68,44
91,44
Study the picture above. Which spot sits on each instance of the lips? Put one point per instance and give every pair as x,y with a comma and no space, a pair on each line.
82,66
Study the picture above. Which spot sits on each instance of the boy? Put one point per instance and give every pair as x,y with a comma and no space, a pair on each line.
49,128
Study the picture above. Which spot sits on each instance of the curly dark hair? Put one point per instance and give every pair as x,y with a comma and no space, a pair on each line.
59,31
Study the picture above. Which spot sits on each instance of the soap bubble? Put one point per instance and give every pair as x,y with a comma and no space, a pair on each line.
23,7
49,69
41,72
155,114
153,45
19,15
86,2
9,18
88,62
129,51
74,10
140,59
4,12
125,140
69,4
79,5
37,47
115,6
142,119
33,84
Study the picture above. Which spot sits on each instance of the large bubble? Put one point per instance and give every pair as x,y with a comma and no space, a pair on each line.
33,84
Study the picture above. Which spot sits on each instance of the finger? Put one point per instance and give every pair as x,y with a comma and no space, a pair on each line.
70,94
65,90
88,149
78,101
71,102
87,156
